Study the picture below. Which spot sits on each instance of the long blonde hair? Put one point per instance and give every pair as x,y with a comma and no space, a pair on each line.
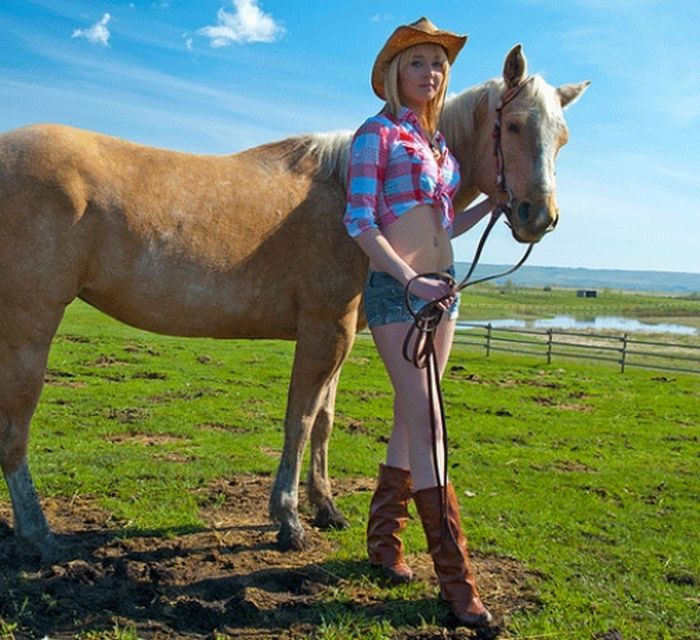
392,91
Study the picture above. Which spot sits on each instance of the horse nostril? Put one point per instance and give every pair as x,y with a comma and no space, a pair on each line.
524,211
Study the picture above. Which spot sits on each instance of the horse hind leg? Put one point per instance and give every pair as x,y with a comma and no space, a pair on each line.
320,350
318,485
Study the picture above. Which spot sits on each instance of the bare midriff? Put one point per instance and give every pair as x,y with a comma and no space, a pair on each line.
420,239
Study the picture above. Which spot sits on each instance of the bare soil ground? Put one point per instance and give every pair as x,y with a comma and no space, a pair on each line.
227,578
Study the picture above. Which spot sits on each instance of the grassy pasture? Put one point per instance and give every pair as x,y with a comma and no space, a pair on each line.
587,478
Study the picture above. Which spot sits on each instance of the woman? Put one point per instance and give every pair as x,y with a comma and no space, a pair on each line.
401,181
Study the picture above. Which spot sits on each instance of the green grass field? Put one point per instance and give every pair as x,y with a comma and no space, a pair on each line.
588,478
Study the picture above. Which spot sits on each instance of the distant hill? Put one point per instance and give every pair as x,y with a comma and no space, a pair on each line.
679,283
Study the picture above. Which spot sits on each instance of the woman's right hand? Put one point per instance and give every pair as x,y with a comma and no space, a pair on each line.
431,289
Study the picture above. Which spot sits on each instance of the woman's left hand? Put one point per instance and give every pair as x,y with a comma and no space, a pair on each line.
432,289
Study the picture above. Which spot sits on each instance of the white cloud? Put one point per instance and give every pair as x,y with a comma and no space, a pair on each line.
98,33
247,24
382,17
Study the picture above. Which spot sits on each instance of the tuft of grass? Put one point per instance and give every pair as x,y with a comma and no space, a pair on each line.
118,632
7,630
348,626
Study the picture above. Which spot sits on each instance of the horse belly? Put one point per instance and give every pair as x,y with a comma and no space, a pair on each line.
184,300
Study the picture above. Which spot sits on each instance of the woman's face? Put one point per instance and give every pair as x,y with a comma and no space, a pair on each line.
420,78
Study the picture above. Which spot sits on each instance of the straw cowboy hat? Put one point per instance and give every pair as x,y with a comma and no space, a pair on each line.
421,31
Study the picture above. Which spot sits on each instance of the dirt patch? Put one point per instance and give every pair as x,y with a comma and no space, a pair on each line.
459,372
127,415
227,577
222,426
106,360
56,378
546,401
569,466
192,394
141,348
144,439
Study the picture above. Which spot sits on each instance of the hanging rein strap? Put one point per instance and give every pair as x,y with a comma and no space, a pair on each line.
419,344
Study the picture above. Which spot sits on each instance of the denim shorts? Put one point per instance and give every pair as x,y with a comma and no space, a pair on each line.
385,303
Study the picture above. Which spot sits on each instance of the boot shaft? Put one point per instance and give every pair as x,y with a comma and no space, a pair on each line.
447,543
388,516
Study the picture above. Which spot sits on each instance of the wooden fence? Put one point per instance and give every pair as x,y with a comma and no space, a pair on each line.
620,350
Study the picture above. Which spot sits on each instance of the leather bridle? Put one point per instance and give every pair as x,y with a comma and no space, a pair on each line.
507,97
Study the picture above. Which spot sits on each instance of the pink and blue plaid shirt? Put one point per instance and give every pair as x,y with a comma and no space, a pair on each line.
392,169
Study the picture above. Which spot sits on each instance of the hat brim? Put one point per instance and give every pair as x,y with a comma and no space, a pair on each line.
409,36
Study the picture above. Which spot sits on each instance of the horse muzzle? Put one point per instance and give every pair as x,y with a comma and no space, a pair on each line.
530,222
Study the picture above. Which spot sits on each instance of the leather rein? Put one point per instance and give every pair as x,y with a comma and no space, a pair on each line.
427,319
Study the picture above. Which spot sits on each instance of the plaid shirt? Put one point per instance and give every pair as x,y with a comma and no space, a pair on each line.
392,169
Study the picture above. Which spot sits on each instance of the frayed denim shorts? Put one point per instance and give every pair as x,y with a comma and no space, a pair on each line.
385,303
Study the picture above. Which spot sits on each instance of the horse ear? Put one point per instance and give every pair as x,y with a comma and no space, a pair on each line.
515,68
569,93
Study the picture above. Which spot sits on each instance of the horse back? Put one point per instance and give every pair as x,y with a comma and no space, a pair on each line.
226,246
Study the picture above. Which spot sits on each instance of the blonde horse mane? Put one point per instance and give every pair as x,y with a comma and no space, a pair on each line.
479,100
327,151
454,123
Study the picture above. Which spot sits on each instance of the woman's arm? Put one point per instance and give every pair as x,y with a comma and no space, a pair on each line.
384,256
466,219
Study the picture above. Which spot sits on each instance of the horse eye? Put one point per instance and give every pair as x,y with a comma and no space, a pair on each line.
513,128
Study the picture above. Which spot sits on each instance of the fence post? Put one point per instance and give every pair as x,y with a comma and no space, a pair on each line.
488,339
549,346
624,353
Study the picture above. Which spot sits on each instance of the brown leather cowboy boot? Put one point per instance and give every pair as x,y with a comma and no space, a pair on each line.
450,556
388,515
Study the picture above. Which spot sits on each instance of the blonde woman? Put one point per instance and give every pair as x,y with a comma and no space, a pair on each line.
401,181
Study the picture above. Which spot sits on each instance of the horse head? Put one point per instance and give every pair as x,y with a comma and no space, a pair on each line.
524,131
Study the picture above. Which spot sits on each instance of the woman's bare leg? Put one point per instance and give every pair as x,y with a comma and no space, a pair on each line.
410,444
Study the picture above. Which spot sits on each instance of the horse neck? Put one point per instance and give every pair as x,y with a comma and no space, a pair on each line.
464,124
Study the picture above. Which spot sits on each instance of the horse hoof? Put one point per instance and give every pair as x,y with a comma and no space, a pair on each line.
330,518
291,538
48,550
55,555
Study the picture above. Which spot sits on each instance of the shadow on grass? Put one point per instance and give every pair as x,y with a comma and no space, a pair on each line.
198,583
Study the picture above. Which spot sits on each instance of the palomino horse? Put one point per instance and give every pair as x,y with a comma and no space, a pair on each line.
243,246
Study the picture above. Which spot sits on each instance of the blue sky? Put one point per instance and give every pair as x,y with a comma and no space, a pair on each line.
218,76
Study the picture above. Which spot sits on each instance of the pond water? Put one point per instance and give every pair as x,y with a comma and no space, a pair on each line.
598,323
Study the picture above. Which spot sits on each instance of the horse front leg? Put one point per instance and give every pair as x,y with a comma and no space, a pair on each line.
320,350
31,527
318,485
21,379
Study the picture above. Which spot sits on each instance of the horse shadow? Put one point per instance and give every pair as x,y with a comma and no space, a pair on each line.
184,583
